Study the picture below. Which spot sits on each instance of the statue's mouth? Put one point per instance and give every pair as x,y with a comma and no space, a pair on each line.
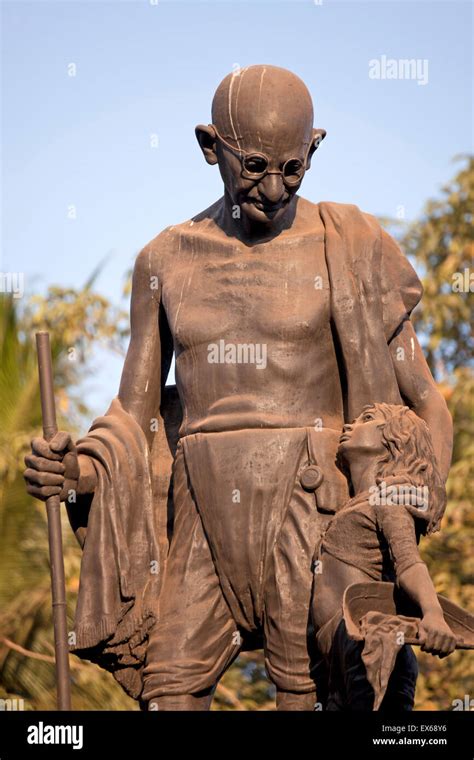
268,208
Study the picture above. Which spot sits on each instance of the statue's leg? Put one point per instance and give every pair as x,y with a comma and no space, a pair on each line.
287,700
400,694
349,688
180,702
195,637
290,652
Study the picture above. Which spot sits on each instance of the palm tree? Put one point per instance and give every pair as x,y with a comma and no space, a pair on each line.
26,638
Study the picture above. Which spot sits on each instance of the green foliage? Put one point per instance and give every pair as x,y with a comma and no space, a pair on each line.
245,686
442,244
76,319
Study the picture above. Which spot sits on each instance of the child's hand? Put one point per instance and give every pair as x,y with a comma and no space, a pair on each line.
435,635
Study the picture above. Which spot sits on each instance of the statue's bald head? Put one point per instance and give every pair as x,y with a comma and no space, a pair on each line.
262,117
254,105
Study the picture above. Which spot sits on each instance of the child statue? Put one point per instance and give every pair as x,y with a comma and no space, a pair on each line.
374,538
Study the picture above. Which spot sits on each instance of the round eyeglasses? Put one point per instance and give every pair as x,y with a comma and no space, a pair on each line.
255,165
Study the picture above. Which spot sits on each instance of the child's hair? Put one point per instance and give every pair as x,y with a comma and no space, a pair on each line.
410,450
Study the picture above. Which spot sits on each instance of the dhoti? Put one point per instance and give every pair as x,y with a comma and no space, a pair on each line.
240,560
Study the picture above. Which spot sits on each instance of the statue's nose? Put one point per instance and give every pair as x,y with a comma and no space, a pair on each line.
272,187
347,428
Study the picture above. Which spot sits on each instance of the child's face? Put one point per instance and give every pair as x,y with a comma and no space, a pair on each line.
363,435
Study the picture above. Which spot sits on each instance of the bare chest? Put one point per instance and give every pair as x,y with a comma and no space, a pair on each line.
272,292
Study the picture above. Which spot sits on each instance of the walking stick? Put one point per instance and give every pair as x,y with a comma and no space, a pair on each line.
53,511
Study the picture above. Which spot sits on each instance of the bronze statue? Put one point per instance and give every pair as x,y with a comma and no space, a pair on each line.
374,538
285,318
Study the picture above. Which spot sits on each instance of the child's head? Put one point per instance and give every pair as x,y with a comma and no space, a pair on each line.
402,442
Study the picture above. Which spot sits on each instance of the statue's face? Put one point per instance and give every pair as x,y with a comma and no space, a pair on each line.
266,199
263,138
364,435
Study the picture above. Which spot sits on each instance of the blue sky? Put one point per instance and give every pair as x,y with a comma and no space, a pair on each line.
145,69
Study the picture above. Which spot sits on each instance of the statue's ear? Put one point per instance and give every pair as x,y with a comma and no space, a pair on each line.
318,137
206,137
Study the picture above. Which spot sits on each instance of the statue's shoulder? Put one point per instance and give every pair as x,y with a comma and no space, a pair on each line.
165,242
346,213
203,224
346,217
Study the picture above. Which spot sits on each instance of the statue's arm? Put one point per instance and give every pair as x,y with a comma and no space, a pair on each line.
148,357
54,467
413,577
420,392
149,350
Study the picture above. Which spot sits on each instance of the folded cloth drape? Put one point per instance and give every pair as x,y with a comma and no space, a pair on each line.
120,571
384,635
373,291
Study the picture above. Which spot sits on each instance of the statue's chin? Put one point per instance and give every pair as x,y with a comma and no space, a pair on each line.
347,451
262,215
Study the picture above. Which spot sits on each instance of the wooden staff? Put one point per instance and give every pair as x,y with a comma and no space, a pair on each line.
53,511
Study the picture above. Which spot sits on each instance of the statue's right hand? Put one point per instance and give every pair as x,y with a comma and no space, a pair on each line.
52,467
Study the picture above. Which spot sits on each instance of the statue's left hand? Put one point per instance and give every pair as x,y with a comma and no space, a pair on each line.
52,467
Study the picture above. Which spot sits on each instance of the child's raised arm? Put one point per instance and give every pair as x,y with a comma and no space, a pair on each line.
398,527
